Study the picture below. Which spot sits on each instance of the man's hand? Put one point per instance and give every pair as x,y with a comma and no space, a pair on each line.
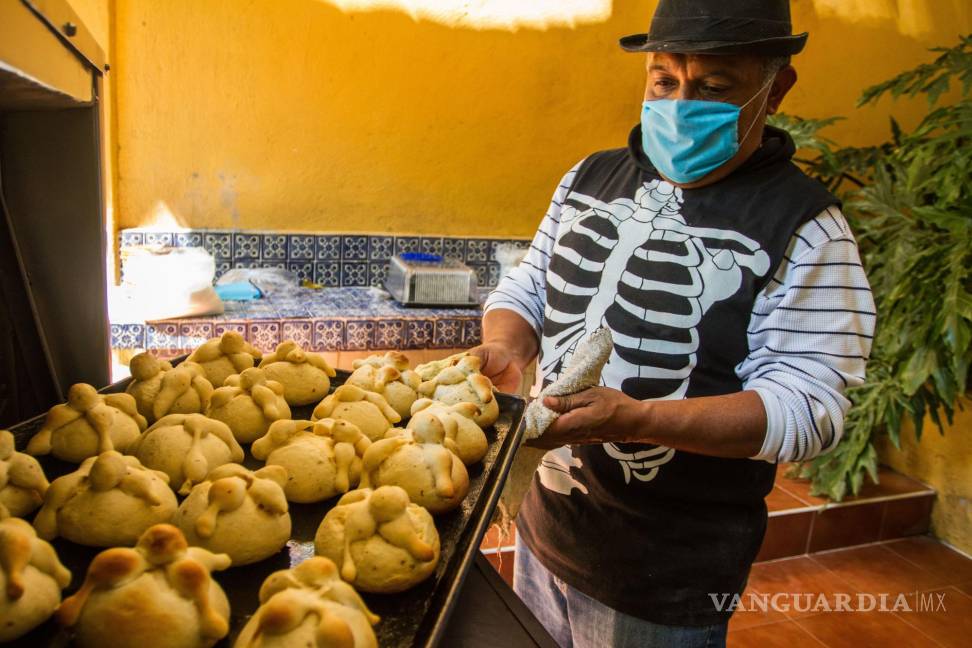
500,366
595,415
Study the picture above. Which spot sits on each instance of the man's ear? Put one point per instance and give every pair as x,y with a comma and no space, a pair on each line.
784,81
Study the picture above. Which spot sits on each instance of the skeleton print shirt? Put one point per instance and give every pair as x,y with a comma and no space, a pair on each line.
751,283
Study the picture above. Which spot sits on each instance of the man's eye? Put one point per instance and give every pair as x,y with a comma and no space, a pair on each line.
713,90
664,83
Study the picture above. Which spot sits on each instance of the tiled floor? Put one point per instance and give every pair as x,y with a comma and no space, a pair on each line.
936,608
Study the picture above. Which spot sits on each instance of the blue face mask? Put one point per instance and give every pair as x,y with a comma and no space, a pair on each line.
687,139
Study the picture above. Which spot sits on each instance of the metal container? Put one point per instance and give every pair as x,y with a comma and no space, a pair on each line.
415,618
429,280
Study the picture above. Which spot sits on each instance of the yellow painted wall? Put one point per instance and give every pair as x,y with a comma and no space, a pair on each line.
945,463
297,114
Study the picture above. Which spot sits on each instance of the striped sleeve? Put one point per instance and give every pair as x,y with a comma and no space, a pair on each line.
524,289
810,335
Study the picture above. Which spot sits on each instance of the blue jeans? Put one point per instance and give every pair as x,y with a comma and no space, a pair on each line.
575,620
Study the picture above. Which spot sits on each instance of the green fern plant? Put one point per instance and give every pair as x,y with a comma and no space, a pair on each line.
909,201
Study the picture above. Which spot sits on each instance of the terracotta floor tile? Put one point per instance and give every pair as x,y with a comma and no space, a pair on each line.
750,616
503,563
951,566
780,500
890,483
946,617
786,535
846,526
877,569
798,488
784,634
863,629
492,538
802,578
907,517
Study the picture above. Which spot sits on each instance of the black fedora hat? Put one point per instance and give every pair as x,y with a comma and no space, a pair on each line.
760,27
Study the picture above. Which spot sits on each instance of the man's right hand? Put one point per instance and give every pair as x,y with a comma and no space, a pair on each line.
500,366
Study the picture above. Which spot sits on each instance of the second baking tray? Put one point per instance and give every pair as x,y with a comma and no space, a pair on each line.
416,617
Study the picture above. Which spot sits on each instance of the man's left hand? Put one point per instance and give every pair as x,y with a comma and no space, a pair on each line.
595,415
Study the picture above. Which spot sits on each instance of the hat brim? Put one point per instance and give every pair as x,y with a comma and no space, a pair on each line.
776,46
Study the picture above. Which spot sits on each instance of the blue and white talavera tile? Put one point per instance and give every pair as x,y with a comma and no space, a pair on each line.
327,273
431,244
300,247
300,331
193,334
246,246
130,238
329,335
328,248
128,336
275,246
377,272
477,250
264,335
381,248
354,247
187,239
482,274
223,326
219,244
359,335
493,277
454,248
418,333
303,269
390,334
354,273
407,244
158,238
162,335
472,332
448,333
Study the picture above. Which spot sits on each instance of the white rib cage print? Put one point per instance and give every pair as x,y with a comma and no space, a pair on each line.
636,267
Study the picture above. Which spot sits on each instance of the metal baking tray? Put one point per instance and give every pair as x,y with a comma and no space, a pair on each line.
417,617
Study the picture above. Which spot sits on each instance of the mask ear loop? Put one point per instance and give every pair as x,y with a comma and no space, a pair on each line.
765,101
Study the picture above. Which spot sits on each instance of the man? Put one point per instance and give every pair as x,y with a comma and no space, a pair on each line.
740,314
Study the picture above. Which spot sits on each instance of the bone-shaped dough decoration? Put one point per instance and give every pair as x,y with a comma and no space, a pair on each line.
457,424
87,425
462,382
147,585
158,389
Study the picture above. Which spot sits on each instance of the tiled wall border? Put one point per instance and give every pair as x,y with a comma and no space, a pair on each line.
346,260
316,334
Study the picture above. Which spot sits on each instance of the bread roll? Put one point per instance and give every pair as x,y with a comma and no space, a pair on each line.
110,500
240,513
389,376
224,356
462,383
456,422
309,605
31,579
248,403
323,458
186,447
369,411
305,375
158,389
87,425
158,594
22,480
379,540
